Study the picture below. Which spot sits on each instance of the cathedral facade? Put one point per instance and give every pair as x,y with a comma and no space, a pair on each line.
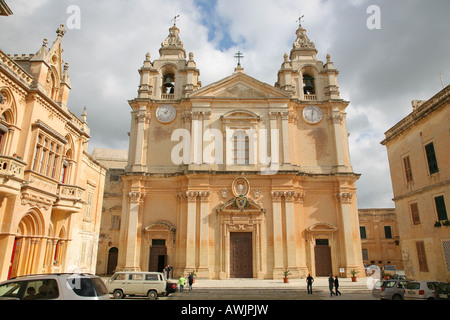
239,179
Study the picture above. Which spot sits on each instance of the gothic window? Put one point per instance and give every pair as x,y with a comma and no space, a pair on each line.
3,132
46,156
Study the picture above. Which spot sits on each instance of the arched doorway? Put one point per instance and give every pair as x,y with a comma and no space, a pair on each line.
27,244
113,255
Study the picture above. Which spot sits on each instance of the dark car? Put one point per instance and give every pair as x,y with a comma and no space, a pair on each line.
442,291
171,287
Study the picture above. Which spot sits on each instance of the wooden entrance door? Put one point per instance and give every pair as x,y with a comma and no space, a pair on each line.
323,258
158,258
241,258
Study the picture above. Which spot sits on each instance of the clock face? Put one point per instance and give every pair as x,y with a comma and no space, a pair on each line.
166,113
312,114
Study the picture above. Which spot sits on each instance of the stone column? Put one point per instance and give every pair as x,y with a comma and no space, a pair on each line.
203,269
285,137
274,144
352,259
131,255
191,224
206,119
277,235
196,141
141,119
291,242
336,119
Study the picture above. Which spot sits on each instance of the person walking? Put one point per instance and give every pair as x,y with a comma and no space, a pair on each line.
309,282
181,282
190,281
167,270
331,284
336,286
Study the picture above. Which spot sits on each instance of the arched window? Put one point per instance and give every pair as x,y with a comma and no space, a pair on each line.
308,85
168,84
241,147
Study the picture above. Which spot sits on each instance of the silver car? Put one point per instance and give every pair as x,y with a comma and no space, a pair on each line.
60,286
392,289
420,290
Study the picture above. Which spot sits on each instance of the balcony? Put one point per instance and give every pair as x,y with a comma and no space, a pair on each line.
70,199
310,97
168,96
11,175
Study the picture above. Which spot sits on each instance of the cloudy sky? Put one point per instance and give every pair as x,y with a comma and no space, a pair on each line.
381,70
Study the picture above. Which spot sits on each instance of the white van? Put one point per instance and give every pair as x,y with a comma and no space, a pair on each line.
150,284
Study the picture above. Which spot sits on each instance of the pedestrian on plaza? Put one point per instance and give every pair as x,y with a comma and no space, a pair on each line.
331,284
181,282
309,282
190,281
336,285
167,270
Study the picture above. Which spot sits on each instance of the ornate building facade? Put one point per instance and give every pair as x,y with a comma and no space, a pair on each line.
51,189
239,178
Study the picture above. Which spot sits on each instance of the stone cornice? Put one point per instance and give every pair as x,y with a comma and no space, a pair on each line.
439,100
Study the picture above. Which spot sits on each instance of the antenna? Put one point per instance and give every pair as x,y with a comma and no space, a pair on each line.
442,81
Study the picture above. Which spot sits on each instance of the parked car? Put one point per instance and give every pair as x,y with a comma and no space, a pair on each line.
392,289
388,271
442,291
171,287
420,290
150,284
58,286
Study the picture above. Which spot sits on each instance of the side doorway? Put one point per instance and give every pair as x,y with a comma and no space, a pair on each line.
113,255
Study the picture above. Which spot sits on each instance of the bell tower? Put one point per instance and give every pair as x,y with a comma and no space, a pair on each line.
303,75
171,76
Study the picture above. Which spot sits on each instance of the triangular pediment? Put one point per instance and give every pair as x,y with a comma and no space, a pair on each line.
240,86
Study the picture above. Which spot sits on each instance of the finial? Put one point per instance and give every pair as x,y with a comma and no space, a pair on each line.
84,115
66,66
147,56
61,32
45,42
